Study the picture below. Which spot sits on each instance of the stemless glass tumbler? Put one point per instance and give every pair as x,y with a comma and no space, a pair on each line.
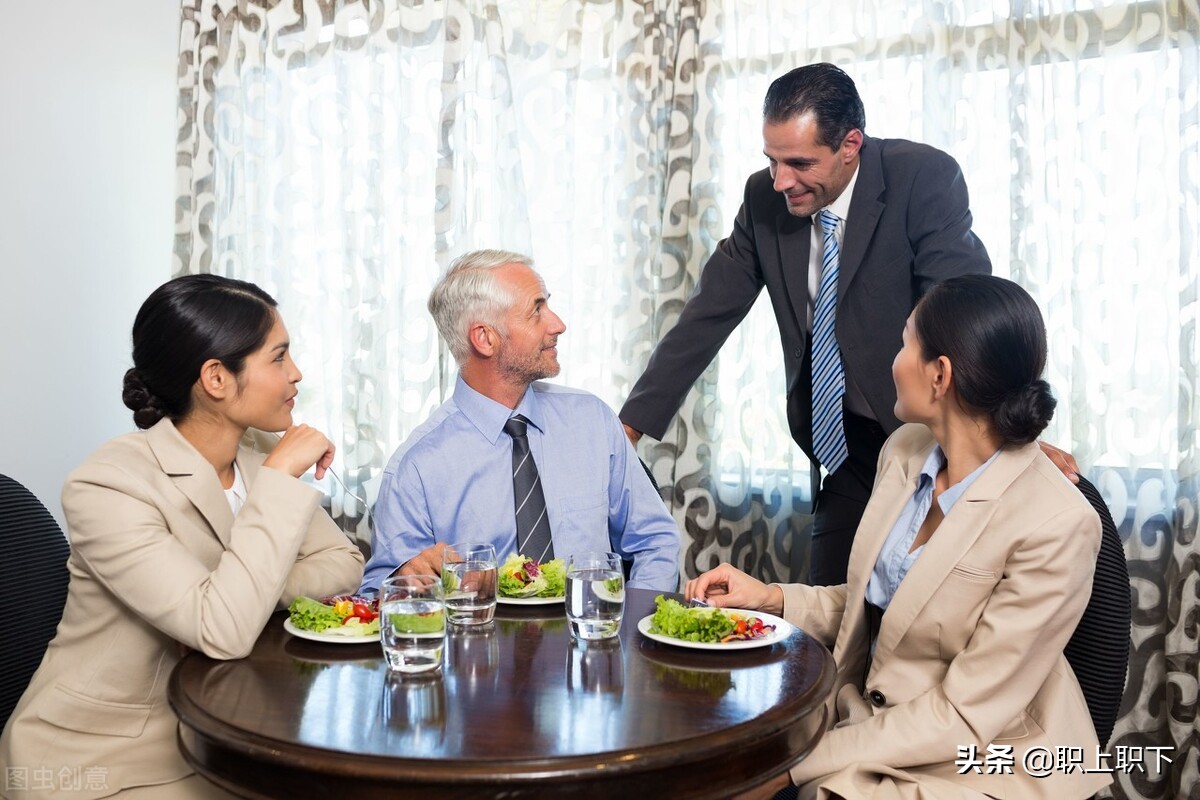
595,595
469,582
412,623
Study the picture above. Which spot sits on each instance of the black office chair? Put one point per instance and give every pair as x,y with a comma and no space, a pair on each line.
1098,651
33,576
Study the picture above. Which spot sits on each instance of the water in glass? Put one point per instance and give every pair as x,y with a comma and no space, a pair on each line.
469,582
595,601
413,632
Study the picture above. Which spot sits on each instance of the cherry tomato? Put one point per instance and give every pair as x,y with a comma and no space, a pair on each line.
363,612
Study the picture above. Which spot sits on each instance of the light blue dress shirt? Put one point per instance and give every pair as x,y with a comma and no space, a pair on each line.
895,560
451,481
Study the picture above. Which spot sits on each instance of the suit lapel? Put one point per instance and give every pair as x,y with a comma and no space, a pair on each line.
865,210
893,487
795,234
954,537
193,476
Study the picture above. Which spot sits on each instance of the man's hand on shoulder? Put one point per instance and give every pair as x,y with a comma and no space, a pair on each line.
634,436
1062,459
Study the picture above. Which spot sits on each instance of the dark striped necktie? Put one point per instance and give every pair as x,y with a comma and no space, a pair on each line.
828,380
533,526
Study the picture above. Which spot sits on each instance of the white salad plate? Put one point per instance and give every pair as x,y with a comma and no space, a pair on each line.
327,638
783,629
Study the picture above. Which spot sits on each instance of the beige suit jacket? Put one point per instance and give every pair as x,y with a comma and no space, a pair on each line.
970,650
159,566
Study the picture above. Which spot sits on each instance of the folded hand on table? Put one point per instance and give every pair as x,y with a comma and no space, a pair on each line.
426,562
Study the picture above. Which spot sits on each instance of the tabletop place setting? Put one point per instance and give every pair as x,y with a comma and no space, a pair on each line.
411,615
670,688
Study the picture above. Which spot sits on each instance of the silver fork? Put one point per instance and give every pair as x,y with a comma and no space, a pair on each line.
338,479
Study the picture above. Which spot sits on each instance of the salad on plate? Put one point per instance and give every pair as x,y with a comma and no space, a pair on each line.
705,624
342,615
521,577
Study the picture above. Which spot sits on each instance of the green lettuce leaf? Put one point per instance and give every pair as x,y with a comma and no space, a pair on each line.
678,621
515,581
311,615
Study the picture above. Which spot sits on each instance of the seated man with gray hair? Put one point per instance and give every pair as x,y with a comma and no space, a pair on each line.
531,467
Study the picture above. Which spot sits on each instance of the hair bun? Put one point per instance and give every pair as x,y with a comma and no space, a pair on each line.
147,409
1023,414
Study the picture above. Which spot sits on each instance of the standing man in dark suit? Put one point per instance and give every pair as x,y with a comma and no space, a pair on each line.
898,222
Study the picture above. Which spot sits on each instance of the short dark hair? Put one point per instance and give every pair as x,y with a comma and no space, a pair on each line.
182,324
824,90
993,334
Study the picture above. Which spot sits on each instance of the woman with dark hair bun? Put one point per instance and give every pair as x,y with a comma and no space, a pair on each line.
970,570
182,538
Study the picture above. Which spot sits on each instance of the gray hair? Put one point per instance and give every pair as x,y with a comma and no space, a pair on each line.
468,293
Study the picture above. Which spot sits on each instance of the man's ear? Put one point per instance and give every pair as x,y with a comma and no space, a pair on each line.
483,339
215,380
851,145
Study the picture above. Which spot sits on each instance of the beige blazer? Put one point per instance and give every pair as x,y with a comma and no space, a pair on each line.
159,566
970,650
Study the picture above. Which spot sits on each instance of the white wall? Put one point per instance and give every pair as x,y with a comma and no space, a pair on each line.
87,133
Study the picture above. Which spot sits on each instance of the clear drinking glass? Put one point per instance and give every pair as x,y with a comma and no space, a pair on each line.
412,623
595,595
469,582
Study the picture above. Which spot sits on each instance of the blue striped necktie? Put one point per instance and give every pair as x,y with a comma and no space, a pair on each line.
828,379
529,502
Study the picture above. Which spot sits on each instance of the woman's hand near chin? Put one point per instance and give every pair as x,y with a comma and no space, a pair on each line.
299,448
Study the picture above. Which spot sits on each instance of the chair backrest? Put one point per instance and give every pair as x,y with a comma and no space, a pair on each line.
1099,649
33,576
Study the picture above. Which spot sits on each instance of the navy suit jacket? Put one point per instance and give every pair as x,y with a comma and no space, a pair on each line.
909,227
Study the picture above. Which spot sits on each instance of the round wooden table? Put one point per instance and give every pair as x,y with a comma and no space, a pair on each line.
518,711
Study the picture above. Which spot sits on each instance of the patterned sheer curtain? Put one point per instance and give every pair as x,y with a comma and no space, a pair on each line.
341,153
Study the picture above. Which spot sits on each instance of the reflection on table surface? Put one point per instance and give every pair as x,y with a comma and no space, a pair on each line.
518,697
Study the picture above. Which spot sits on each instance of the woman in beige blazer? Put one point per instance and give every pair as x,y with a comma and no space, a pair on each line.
182,538
969,572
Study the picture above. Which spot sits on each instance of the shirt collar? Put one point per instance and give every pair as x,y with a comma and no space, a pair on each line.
236,494
934,464
488,416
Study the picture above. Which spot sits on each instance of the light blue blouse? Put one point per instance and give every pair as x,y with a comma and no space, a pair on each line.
895,560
